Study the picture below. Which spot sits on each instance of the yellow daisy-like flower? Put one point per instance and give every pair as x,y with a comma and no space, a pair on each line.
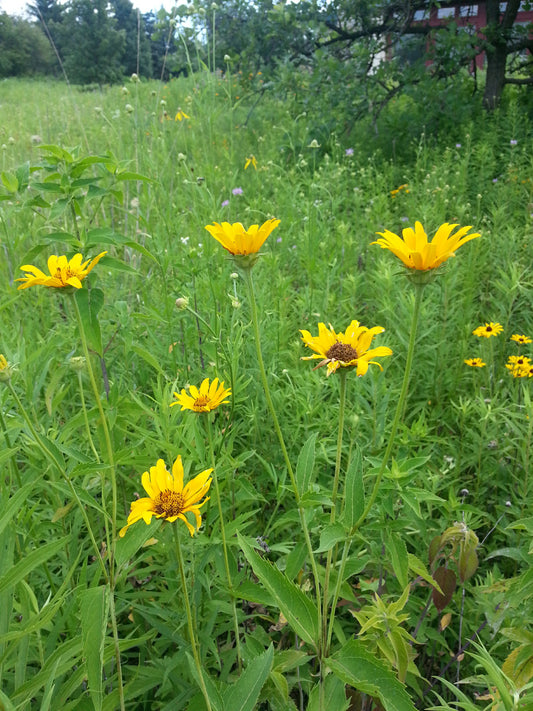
239,241
522,340
181,115
251,160
488,330
414,250
5,370
63,272
475,362
168,498
345,350
205,399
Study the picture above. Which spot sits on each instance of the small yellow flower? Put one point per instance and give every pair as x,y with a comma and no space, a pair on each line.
239,241
168,498
63,272
475,362
205,399
414,250
346,350
522,340
251,160
181,115
5,370
488,330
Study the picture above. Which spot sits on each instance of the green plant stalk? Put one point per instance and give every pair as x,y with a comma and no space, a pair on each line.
224,543
12,460
86,419
342,408
51,457
255,324
112,614
395,423
190,625
109,446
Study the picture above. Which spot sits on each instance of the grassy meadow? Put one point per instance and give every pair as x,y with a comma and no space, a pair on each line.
367,540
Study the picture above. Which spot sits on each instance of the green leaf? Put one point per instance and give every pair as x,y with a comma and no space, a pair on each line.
243,694
12,505
418,568
135,538
354,497
305,464
299,611
149,358
9,181
89,304
58,152
128,175
355,666
397,551
330,536
334,692
5,703
94,609
32,560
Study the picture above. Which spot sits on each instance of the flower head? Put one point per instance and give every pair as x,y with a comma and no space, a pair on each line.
237,191
251,160
414,250
239,241
63,272
181,115
204,399
519,366
5,370
346,350
488,330
475,362
522,340
168,498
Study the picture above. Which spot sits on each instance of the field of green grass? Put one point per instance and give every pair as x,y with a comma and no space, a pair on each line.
367,540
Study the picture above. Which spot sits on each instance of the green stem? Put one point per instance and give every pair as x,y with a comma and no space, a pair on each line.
12,460
395,423
109,446
255,324
224,543
192,636
333,514
114,627
59,466
86,418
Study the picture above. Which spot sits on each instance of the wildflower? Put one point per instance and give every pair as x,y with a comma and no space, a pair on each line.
347,350
168,498
414,250
517,361
237,191
458,145
129,109
348,152
225,203
5,370
205,399
475,362
239,241
251,160
522,340
181,115
314,144
488,330
398,190
63,272
182,303
513,142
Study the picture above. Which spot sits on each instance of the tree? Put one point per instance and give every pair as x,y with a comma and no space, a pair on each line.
136,57
92,46
25,49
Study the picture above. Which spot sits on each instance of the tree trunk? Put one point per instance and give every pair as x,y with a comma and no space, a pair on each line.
497,32
495,80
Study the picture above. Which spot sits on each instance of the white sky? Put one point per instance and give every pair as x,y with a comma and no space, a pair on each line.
17,7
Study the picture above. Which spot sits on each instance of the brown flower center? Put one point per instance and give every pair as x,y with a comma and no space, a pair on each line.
169,503
200,404
342,352
489,329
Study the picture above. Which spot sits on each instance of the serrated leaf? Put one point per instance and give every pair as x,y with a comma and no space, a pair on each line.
305,465
299,611
94,611
355,666
354,496
242,695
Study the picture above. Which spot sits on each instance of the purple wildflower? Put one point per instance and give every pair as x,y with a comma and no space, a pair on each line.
348,152
237,191
225,203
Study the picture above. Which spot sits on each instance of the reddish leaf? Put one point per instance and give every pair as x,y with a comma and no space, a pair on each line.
447,580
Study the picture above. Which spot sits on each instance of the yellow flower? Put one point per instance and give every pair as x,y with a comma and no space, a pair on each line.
475,362
168,498
416,252
5,370
251,160
181,115
520,339
239,241
488,330
347,350
205,399
62,272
